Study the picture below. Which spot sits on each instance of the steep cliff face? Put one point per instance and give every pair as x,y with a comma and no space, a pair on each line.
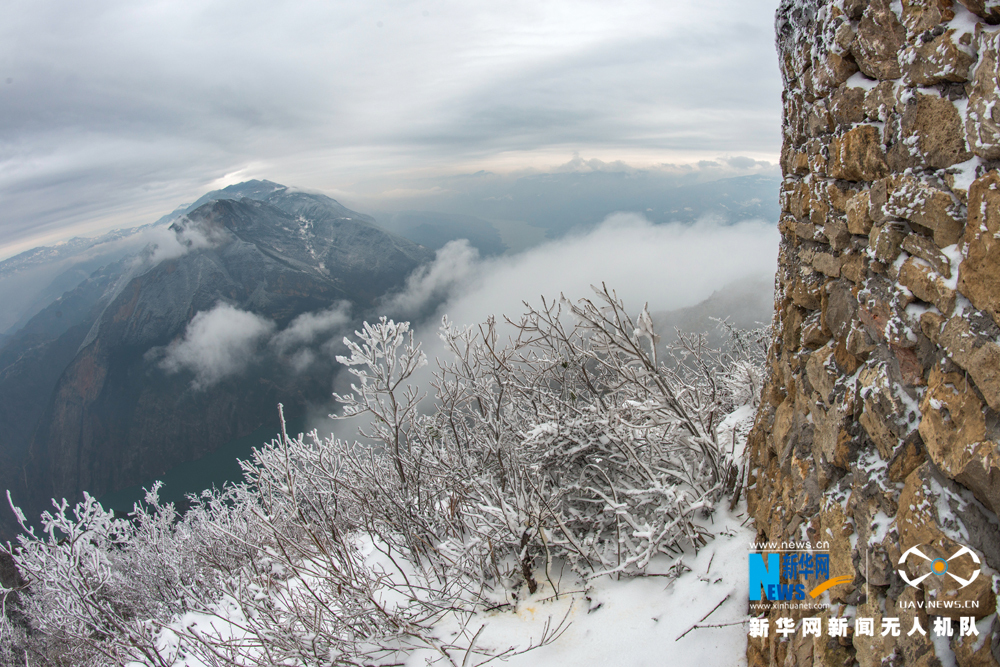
880,423
88,404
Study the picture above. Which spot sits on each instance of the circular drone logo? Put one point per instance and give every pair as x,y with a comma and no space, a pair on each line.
939,566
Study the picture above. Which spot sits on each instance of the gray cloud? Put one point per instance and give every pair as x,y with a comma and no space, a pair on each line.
306,328
172,242
224,341
669,266
117,112
740,162
453,269
217,344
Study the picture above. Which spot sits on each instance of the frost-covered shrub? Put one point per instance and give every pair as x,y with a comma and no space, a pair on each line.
578,440
571,440
98,583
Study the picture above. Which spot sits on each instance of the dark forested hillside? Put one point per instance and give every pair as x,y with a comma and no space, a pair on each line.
162,356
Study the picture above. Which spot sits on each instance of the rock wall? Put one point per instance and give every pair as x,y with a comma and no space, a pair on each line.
880,423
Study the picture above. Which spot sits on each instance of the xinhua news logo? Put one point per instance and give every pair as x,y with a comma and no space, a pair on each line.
785,576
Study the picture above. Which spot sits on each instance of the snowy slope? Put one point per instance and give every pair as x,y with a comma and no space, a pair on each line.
638,622
694,619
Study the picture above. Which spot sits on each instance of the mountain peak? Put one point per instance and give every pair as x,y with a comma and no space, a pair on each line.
253,187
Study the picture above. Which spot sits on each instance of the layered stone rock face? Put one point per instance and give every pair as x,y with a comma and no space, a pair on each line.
880,425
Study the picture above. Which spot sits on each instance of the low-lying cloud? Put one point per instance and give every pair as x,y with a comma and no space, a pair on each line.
224,341
179,239
217,344
451,272
307,327
669,266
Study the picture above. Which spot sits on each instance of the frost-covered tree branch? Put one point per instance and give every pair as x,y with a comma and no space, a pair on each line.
570,436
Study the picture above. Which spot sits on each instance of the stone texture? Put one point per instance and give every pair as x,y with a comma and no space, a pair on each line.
831,71
982,124
922,15
847,106
880,38
916,649
859,221
827,263
857,155
976,351
922,247
970,652
794,162
836,232
929,206
817,150
920,524
946,57
838,194
930,134
819,120
979,272
886,241
806,231
886,416
805,289
908,458
795,198
880,418
870,650
814,334
880,101
954,432
927,284
878,195
820,372
840,309
986,9
853,267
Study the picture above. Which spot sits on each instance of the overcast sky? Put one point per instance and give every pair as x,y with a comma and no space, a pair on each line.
113,112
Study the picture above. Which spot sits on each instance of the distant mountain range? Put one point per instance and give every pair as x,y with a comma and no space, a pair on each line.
563,202
434,230
126,355
106,386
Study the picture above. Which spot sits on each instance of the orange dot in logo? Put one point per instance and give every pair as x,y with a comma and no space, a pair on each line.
940,566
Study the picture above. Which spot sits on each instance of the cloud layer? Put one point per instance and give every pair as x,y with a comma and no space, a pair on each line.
307,327
217,344
668,266
115,112
223,342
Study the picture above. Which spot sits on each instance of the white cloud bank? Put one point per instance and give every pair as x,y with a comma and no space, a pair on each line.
307,327
669,266
224,341
217,344
182,237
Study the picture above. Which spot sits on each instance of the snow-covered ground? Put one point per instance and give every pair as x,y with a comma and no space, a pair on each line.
694,619
639,621
698,618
